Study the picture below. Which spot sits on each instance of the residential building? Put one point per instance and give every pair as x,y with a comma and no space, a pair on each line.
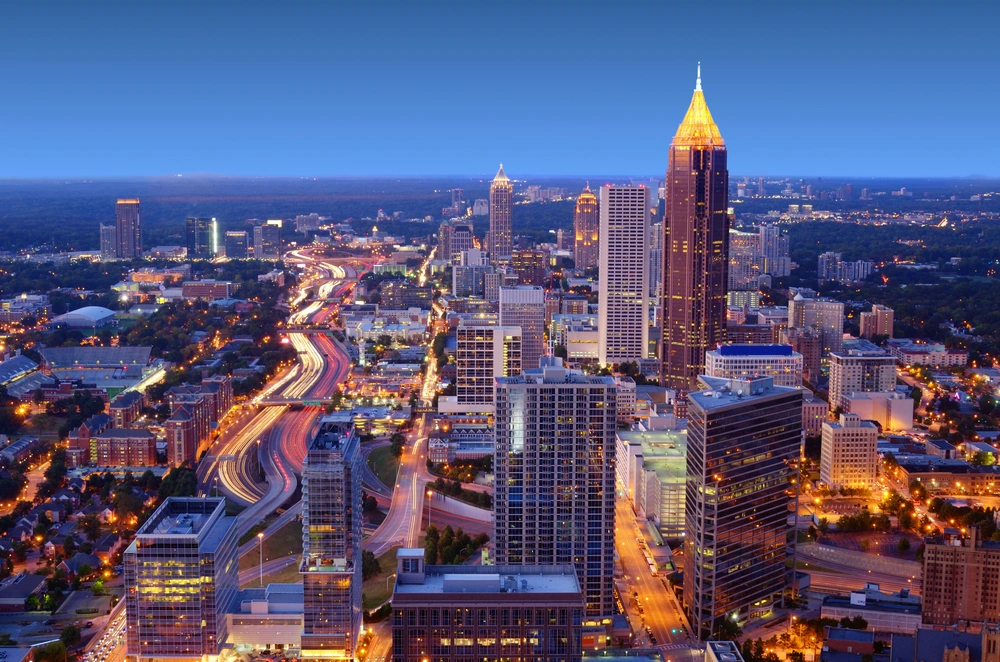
331,541
125,448
877,322
849,455
696,251
743,441
524,307
744,261
481,354
468,276
864,369
128,229
808,342
774,251
202,238
182,438
655,254
586,229
109,242
824,314
237,247
181,575
555,475
501,239
493,612
815,412
960,578
454,237
744,361
623,297
935,355
125,408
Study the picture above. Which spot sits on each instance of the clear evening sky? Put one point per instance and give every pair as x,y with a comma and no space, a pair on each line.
867,88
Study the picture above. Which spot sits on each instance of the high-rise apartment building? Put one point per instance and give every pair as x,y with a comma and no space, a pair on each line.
524,307
236,244
864,369
331,542
109,242
774,251
202,238
826,315
555,475
529,265
501,215
267,241
128,229
586,228
960,578
849,453
744,361
483,353
877,322
181,575
743,441
808,342
695,246
623,300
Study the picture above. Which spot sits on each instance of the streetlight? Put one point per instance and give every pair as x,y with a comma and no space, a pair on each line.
386,590
260,547
430,494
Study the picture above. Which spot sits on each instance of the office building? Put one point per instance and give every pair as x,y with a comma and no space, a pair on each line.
743,441
860,370
481,354
808,342
623,297
402,295
586,228
267,241
109,242
236,244
501,237
331,541
524,307
849,455
202,238
467,277
656,261
454,237
892,410
826,315
456,613
207,288
651,470
745,361
960,580
555,475
695,246
529,265
181,575
495,278
877,322
128,229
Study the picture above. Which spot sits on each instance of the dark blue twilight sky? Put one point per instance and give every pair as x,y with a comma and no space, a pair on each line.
854,88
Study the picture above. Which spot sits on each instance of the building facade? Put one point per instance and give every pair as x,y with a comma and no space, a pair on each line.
530,266
695,246
868,369
267,241
623,298
181,575
481,354
331,542
849,453
960,578
555,475
109,242
743,440
745,361
501,215
586,229
236,244
524,307
877,322
128,229
202,238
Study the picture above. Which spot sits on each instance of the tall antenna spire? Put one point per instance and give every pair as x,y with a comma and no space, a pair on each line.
697,84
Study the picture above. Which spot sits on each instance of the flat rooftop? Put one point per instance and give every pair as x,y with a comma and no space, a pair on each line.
721,392
184,516
483,580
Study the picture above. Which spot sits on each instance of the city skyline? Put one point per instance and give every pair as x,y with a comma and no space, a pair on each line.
254,111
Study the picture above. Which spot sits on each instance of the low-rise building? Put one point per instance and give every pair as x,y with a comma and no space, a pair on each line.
125,448
651,469
914,353
267,619
898,613
207,288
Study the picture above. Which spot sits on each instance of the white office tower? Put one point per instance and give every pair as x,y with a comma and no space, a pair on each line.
483,353
331,542
623,304
849,453
555,475
524,306
746,361
826,315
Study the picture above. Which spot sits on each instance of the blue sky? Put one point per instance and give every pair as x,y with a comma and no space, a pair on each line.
877,88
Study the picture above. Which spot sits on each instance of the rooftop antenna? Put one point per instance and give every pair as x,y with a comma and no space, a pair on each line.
697,84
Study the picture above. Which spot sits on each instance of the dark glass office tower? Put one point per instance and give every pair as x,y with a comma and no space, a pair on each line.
202,239
128,230
695,247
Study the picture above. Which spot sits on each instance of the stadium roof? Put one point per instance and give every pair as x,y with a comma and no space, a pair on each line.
86,316
15,367
108,357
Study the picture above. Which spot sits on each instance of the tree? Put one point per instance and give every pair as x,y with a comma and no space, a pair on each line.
727,629
561,351
97,588
91,526
54,652
70,636
369,565
397,441
903,545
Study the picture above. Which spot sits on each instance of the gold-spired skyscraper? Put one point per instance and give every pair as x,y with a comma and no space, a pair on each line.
501,207
586,227
695,246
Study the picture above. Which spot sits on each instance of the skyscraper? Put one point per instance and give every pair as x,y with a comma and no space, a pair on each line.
743,439
128,229
586,227
202,238
109,242
501,209
623,304
236,244
267,241
482,353
555,475
695,246
181,575
524,306
331,542
529,265
656,261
